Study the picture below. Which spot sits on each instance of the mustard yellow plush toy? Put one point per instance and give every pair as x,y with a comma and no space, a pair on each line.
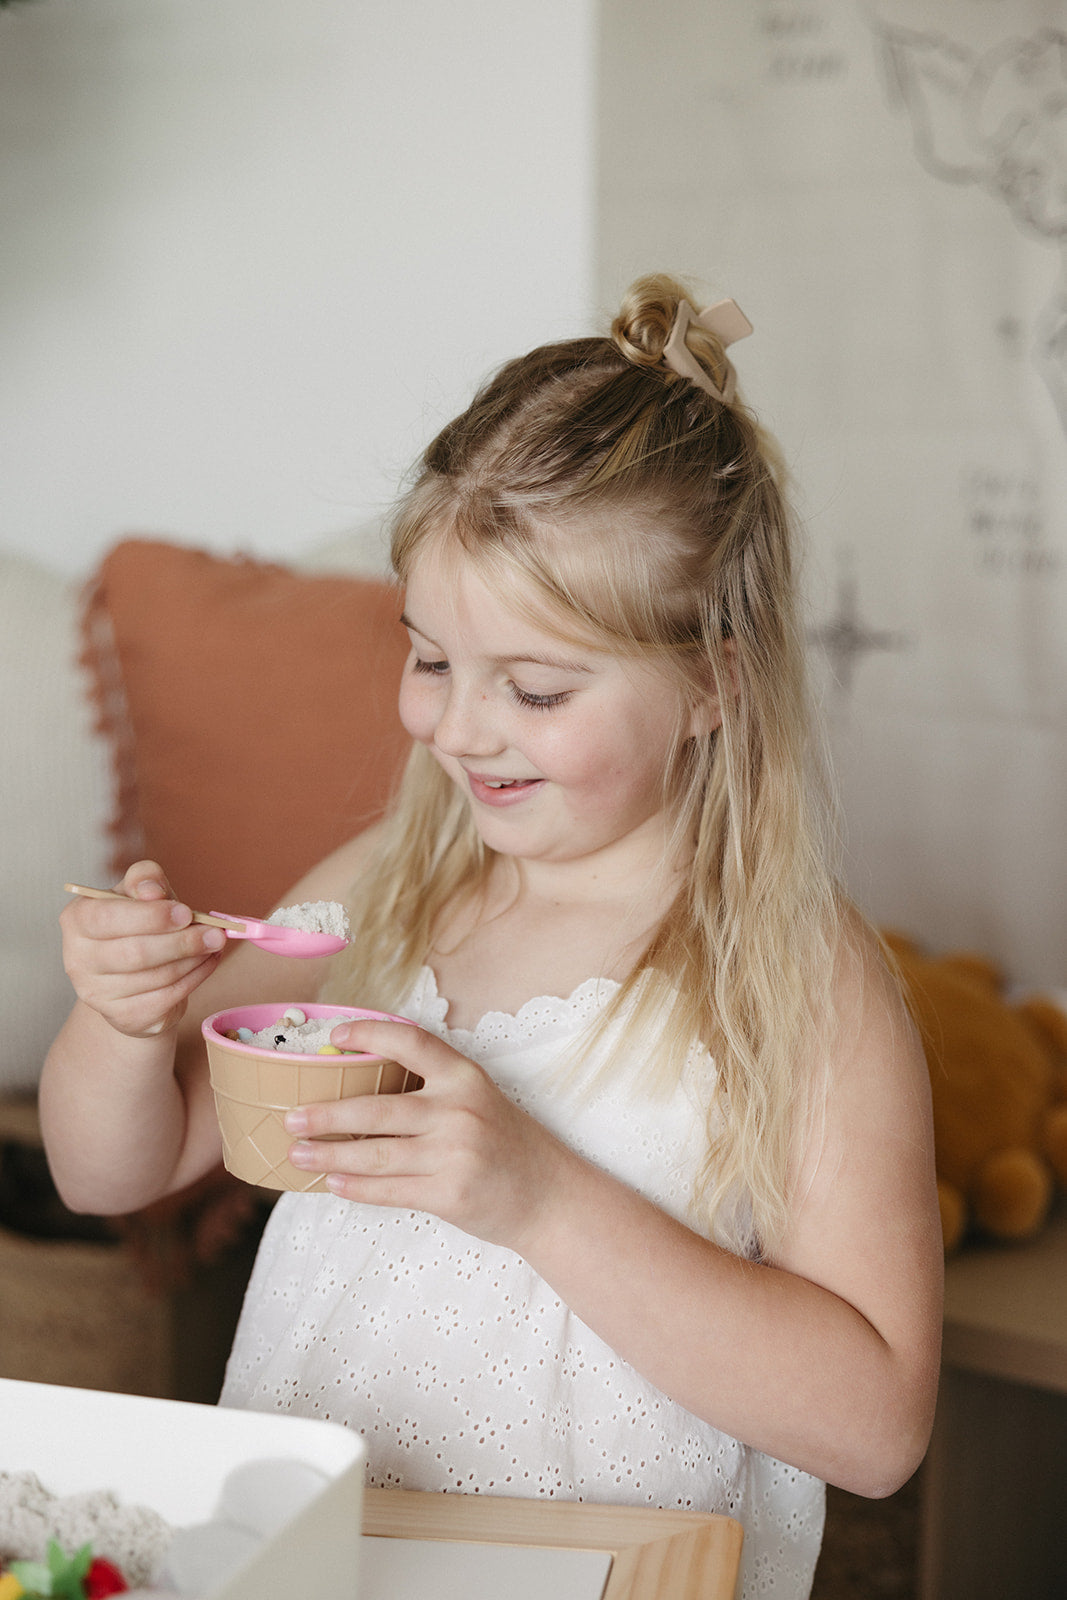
998,1076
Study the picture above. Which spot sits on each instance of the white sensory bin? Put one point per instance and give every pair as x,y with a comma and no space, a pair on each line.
281,1495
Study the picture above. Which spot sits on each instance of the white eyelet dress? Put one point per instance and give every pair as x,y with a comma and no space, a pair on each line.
461,1367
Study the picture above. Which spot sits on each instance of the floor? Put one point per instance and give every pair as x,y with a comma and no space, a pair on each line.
870,1548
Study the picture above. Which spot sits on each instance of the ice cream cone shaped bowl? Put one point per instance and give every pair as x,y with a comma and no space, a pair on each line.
255,1085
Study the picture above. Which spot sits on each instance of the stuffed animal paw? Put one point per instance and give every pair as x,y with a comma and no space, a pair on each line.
998,1078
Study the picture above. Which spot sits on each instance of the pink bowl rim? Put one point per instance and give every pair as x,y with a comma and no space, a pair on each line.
261,1016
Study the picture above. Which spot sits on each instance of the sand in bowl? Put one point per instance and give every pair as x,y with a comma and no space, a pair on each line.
255,1084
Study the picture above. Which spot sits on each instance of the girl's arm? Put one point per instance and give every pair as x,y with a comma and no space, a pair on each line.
126,1105
828,1355
825,1357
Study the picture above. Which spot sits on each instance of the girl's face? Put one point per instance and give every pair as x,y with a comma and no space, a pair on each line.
560,748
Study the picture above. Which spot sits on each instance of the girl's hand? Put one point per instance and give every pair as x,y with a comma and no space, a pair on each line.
457,1147
136,964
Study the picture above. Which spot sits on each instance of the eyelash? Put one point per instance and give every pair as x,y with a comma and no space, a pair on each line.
538,702
529,702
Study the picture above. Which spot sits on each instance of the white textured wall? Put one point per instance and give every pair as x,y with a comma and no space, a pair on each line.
254,251
881,185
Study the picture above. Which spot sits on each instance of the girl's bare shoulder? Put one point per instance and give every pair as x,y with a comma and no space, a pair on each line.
873,1123
869,999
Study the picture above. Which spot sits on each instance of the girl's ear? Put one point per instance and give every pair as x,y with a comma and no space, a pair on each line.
706,715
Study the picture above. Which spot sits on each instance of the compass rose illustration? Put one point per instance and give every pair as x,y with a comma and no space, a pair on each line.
845,638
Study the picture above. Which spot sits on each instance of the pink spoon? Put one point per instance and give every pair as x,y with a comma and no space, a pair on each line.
271,936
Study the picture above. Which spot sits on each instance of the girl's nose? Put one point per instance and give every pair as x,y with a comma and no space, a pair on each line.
466,726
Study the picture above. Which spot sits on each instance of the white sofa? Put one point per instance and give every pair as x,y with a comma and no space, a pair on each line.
55,801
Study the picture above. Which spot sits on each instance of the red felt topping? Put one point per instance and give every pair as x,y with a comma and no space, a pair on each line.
103,1578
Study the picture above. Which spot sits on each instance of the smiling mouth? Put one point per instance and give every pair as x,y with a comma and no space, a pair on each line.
487,789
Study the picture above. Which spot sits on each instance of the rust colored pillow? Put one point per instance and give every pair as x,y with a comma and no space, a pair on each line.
251,711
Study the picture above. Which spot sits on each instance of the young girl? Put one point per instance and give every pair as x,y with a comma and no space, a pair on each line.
660,1227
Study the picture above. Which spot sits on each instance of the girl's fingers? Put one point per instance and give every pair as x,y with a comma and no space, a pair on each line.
116,919
154,1009
457,1147
153,953
175,993
403,1193
128,933
155,980
421,1052
363,1157
364,1116
146,880
383,1155
137,964
137,959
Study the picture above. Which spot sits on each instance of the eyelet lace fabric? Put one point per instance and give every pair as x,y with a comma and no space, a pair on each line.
458,1363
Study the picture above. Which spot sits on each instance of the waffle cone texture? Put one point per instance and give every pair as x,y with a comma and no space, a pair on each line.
254,1088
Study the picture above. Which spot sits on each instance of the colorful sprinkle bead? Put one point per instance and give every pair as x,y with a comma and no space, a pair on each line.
294,1015
329,1050
245,1035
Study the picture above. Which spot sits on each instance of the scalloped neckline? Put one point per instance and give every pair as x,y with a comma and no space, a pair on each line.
590,993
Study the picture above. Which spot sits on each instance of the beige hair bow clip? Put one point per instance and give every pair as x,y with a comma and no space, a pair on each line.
728,323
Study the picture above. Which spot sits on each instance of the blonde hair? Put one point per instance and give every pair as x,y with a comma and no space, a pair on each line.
650,516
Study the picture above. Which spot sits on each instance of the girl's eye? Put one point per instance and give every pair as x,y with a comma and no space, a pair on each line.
538,702
436,669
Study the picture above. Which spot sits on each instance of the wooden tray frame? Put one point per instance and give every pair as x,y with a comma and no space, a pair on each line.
683,1555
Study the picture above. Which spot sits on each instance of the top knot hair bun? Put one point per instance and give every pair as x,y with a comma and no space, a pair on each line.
658,326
